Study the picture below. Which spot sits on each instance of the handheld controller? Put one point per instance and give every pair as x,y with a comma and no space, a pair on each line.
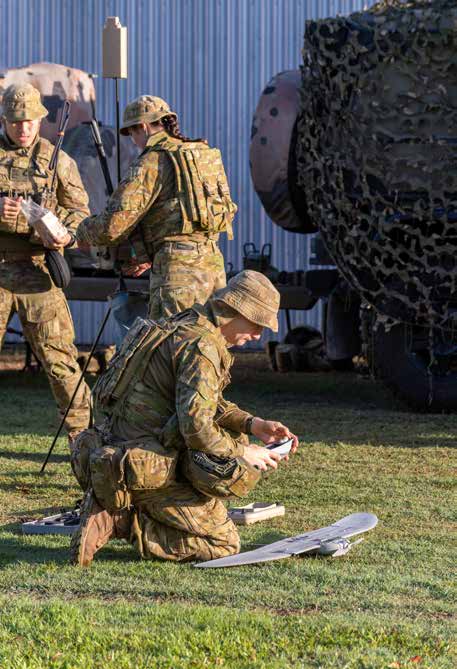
281,447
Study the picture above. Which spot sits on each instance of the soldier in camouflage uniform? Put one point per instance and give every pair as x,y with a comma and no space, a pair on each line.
176,193
25,284
173,446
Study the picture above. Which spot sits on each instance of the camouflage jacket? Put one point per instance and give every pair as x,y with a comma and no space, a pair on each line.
181,390
148,196
25,172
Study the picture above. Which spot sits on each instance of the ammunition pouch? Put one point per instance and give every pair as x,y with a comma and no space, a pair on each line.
112,470
17,227
219,477
47,200
80,449
20,226
107,475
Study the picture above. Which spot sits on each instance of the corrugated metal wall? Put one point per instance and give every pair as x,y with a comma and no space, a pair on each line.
210,59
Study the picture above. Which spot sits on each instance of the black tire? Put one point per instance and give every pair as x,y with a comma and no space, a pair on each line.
343,365
302,335
401,360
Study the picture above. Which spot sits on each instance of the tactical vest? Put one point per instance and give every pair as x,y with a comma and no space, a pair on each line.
115,469
26,175
202,188
131,361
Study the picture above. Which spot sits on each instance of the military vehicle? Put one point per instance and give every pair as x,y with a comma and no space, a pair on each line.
360,145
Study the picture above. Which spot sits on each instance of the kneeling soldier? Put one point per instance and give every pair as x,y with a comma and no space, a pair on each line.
171,446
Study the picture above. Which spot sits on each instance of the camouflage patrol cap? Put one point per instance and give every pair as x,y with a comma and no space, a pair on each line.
22,103
145,109
253,296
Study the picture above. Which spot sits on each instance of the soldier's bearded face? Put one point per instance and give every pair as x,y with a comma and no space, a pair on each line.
239,331
22,133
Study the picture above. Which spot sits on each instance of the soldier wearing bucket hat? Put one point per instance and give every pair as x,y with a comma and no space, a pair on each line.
25,284
177,196
182,446
145,109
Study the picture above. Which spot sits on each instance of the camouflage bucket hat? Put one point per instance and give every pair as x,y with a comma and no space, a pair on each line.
253,296
22,103
145,109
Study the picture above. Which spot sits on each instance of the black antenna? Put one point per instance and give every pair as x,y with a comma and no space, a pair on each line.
64,118
101,154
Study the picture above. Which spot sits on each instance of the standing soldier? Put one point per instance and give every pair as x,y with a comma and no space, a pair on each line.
176,193
25,284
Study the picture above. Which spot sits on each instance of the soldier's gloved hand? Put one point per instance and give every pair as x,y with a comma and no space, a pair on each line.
136,269
270,431
10,208
260,457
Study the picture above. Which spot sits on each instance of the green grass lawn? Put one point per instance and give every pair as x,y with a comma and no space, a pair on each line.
391,602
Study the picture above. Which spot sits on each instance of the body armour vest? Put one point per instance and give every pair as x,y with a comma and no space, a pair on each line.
26,173
202,189
130,362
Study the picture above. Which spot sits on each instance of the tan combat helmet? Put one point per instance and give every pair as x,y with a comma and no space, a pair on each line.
22,102
253,296
145,109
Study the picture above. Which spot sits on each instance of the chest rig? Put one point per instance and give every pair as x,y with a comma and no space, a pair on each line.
25,173
129,364
202,188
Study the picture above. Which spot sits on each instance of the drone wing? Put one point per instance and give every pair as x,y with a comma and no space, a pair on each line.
349,526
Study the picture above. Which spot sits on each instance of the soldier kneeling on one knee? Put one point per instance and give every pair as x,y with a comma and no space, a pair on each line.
171,447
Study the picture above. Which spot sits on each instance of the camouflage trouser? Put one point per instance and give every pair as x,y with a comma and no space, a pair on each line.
184,273
26,288
178,523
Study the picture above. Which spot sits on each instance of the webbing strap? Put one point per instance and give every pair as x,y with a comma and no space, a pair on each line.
140,359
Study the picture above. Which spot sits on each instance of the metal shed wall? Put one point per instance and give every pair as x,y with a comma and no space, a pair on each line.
210,59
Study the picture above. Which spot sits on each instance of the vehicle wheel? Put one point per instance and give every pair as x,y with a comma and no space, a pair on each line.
304,348
343,365
420,369
302,335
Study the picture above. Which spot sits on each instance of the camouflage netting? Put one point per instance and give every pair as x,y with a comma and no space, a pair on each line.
377,152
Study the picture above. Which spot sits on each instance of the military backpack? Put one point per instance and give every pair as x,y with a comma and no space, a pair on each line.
202,187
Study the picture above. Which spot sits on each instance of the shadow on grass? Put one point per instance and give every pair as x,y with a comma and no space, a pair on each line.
34,457
15,549
19,482
263,540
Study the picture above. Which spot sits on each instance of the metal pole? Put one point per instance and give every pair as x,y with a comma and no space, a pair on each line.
118,143
99,334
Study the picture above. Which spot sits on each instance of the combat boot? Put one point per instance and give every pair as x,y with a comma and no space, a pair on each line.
96,528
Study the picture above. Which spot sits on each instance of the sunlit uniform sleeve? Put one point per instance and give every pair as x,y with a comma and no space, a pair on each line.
231,417
198,396
72,199
127,205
